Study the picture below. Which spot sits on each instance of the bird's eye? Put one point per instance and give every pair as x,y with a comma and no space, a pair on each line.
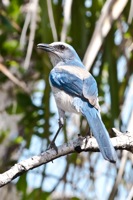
62,47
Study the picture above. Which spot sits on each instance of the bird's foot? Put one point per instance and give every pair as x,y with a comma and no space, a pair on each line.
79,134
53,146
88,136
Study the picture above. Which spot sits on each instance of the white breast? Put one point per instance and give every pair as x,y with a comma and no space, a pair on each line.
63,100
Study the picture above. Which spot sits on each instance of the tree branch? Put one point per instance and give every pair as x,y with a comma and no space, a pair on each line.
121,142
15,80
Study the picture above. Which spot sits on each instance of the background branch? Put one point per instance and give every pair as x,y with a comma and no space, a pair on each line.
15,80
51,20
110,12
33,20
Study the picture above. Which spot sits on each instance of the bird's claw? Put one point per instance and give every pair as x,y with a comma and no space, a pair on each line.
53,146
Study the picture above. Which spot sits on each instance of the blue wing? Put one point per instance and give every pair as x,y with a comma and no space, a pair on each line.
72,84
63,80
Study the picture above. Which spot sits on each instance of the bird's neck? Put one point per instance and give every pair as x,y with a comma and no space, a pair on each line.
77,63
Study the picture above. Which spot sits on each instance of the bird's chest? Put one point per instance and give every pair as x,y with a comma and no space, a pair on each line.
59,80
63,100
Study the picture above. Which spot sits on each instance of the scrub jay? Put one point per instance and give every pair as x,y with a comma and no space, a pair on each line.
75,90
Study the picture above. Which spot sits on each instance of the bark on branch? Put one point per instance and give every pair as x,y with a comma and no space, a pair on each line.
121,142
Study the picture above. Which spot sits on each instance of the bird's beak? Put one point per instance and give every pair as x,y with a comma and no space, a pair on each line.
45,47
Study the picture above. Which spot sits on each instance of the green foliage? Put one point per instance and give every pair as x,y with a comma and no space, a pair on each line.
3,135
38,194
22,186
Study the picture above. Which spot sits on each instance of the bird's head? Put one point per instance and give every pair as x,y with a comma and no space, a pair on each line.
61,53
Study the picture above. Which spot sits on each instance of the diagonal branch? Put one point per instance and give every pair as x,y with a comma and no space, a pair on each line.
19,83
110,12
122,142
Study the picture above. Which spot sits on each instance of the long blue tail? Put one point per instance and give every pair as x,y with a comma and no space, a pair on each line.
98,129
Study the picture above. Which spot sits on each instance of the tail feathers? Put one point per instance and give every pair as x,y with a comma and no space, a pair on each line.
99,131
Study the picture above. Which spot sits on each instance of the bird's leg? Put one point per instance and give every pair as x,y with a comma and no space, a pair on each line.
61,123
52,144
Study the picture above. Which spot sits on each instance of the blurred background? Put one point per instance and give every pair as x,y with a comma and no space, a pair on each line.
102,34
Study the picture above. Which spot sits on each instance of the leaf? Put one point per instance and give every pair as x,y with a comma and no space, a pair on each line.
38,194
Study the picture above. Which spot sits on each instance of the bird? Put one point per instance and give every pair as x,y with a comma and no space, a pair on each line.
75,91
